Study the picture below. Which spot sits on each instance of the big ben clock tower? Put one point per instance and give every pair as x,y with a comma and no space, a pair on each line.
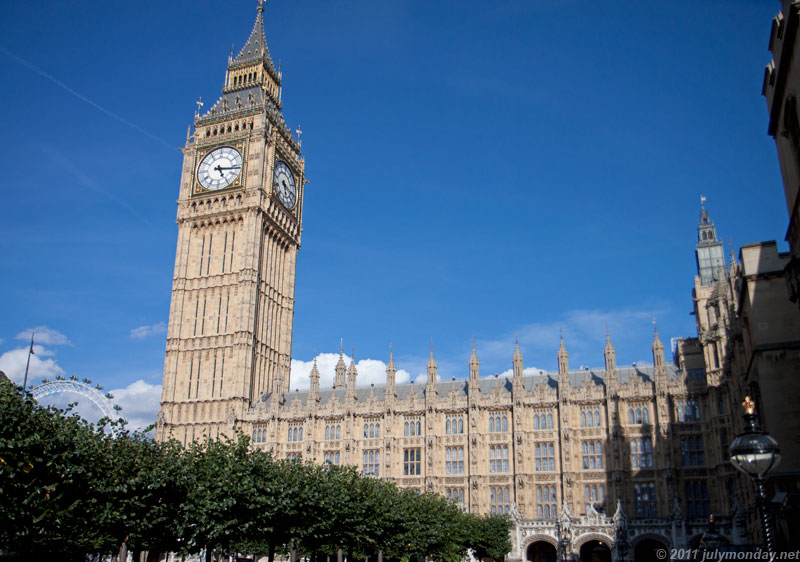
240,206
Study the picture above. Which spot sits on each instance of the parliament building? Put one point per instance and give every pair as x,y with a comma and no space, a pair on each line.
611,464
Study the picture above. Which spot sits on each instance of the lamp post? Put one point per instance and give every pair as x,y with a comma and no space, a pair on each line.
756,454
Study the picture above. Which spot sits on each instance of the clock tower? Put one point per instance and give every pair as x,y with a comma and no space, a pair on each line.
240,207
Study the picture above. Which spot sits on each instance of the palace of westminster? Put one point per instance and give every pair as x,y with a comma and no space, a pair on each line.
608,464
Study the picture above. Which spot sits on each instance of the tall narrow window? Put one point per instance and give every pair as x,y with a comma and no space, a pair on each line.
412,464
221,372
214,376
210,249
224,251
233,242
202,256
196,309
203,320
191,372
227,304
219,312
197,386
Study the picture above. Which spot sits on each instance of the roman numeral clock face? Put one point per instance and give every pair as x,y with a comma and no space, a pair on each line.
219,168
284,185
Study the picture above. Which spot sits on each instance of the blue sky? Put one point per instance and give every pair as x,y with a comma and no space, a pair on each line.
476,169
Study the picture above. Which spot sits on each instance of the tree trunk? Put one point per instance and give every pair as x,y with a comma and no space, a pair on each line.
271,554
338,555
208,553
123,552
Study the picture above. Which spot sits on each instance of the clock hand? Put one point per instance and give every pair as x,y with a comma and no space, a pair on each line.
220,168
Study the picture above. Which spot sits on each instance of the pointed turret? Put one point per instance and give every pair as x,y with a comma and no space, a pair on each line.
341,370
391,375
658,352
253,66
611,357
313,383
563,359
352,374
474,366
432,387
517,361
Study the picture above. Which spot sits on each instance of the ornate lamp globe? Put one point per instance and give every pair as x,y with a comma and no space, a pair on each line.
754,452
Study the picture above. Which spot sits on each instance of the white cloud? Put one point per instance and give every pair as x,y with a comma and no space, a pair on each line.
13,362
44,335
370,371
146,331
140,401
584,335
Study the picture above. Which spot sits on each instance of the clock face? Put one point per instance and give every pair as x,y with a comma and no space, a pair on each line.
219,168
283,183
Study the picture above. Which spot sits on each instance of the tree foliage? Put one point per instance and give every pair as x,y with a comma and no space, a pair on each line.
71,488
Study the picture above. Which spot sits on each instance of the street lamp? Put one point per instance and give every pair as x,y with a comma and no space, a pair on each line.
756,454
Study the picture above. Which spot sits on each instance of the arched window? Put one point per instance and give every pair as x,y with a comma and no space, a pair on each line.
419,428
447,427
289,437
539,511
597,418
366,431
405,429
583,419
646,414
338,431
631,419
461,425
535,422
327,433
549,421
254,436
377,430
491,424
505,423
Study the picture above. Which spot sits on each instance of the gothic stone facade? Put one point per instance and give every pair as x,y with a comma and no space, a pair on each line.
596,455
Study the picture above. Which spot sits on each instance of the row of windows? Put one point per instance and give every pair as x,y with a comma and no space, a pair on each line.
295,432
590,417
207,252
454,463
412,427
333,431
498,458
499,500
688,411
455,495
638,414
454,425
644,499
546,502
595,495
542,420
294,456
545,457
498,423
222,130
259,435
372,463
372,430
592,455
412,462
642,453
332,458
692,450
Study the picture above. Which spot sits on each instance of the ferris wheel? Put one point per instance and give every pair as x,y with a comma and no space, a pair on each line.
82,388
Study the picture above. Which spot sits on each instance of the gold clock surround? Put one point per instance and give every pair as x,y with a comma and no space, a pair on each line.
201,152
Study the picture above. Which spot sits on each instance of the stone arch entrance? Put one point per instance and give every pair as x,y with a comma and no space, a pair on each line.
595,551
541,551
646,549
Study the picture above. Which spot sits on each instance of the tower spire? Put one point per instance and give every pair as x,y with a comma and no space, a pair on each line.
432,387
341,368
709,250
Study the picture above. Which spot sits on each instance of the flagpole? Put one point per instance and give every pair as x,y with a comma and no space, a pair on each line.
30,352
